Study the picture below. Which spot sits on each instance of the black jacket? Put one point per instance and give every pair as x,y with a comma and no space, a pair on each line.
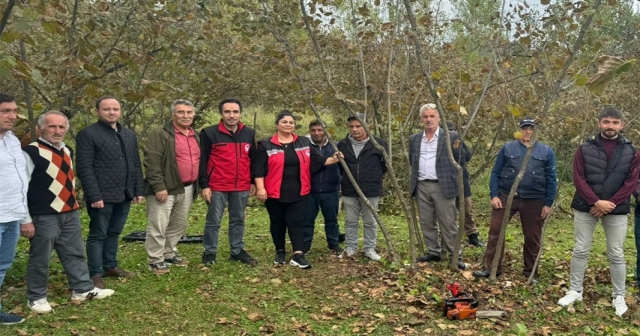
368,169
327,179
108,164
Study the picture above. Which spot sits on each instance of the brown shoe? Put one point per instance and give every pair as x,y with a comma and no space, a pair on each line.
117,273
97,281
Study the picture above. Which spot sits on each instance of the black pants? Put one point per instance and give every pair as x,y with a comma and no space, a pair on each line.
285,216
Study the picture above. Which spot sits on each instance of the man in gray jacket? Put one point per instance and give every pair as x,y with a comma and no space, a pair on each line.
434,184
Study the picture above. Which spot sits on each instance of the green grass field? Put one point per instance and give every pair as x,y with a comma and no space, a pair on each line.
335,297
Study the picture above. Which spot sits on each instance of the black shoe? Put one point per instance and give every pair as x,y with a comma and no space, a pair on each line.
462,265
209,259
281,257
341,238
429,258
484,273
473,240
9,319
300,261
336,249
245,258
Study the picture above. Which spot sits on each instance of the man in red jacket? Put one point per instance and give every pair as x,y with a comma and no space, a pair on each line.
225,177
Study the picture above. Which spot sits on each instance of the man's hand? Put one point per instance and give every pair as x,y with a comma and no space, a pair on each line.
596,213
604,206
138,199
252,191
162,196
98,205
27,230
496,203
206,194
545,212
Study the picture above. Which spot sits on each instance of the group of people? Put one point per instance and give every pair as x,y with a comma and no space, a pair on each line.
296,177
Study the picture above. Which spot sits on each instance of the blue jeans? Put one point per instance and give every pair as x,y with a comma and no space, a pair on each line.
328,203
105,226
9,234
237,201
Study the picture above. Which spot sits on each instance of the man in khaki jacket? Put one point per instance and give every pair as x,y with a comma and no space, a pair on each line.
171,161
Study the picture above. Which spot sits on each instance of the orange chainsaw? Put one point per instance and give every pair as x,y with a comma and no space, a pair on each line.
462,306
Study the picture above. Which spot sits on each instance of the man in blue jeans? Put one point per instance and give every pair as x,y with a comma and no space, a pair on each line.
324,193
109,168
13,194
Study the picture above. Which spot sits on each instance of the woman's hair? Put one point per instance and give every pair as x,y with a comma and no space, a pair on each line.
282,114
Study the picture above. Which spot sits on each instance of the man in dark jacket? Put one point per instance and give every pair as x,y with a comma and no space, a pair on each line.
367,165
325,194
434,184
109,168
470,227
605,173
225,177
534,197
172,163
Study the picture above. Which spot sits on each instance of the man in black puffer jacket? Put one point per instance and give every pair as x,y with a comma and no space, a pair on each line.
108,166
367,165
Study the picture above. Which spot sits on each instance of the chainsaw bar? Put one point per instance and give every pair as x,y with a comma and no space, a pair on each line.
490,313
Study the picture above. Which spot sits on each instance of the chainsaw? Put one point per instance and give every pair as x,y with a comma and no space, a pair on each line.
462,306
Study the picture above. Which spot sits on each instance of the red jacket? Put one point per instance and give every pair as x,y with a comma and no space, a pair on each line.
275,164
225,162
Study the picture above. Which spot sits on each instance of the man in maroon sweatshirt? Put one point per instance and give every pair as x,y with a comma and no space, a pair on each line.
605,173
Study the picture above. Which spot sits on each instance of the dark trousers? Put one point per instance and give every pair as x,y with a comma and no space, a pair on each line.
62,232
328,203
289,216
636,232
105,226
530,216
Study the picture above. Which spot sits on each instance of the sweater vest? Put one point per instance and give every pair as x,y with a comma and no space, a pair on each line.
52,188
605,177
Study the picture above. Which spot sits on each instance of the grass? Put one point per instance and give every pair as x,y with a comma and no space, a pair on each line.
335,297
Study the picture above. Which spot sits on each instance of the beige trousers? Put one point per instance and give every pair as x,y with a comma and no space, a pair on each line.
167,223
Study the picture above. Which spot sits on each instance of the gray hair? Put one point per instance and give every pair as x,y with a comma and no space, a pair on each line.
429,106
43,116
180,102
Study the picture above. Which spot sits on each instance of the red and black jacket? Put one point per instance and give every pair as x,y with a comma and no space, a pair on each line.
225,162
275,165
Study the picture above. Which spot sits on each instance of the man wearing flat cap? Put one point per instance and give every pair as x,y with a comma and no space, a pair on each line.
533,199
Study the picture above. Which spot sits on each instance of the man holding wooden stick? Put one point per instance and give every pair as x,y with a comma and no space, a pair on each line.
533,199
605,173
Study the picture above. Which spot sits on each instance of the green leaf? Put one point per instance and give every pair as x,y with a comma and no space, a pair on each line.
5,73
581,79
514,110
364,10
52,27
465,77
626,66
9,36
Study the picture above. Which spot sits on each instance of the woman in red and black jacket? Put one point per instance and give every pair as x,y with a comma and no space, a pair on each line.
282,171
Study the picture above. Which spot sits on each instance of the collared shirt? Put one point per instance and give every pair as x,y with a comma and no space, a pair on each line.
13,194
30,167
428,151
187,155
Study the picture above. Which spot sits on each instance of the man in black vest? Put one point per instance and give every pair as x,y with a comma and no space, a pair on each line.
605,173
109,168
534,197
54,220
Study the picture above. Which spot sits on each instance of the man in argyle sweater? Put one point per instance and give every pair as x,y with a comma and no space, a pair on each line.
54,221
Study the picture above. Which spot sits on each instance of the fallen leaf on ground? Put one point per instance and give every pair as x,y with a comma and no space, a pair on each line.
604,301
254,317
22,332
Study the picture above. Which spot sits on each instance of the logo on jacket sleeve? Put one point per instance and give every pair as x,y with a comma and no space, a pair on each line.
308,153
246,147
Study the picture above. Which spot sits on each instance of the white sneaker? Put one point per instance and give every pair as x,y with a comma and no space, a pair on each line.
349,252
571,297
619,304
95,293
371,254
41,306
